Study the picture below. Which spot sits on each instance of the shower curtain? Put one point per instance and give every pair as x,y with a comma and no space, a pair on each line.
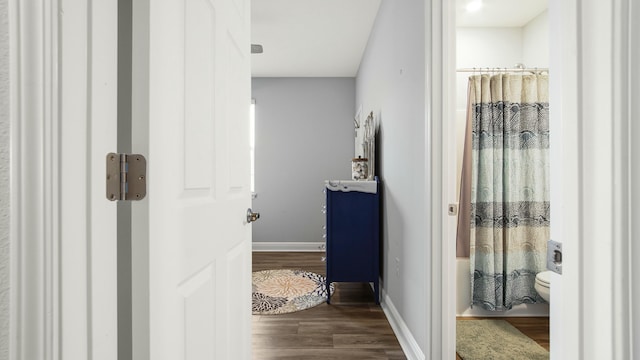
509,187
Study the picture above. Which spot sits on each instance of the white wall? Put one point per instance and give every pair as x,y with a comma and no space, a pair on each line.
494,48
391,83
535,37
304,135
485,48
4,182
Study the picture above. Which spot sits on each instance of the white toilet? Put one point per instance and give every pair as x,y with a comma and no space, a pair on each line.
543,280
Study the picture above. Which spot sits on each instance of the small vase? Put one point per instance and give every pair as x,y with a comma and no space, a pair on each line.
360,168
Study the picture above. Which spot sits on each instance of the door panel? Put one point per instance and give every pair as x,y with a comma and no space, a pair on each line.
197,263
238,265
199,319
199,96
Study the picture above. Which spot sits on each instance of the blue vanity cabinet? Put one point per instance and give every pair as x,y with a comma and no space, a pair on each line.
353,237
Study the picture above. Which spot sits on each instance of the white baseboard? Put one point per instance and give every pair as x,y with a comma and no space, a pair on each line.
288,246
405,337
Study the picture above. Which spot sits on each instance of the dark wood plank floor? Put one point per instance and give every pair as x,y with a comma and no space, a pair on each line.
537,328
353,327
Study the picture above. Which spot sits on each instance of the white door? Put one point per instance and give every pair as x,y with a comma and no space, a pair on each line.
191,240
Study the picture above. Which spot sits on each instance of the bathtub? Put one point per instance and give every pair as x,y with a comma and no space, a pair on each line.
463,298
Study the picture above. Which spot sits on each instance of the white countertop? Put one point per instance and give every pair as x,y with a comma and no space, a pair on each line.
366,186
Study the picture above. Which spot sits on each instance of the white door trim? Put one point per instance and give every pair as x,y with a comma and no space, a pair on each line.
63,91
632,185
594,104
440,49
605,99
34,180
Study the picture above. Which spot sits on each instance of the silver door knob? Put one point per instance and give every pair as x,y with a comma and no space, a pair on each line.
252,216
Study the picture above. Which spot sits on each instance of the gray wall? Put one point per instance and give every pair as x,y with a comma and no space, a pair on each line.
304,135
391,83
4,181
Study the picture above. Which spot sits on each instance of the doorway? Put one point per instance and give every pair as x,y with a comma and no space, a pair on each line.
303,85
487,42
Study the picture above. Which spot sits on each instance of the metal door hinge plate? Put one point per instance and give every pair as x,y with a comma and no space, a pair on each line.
126,177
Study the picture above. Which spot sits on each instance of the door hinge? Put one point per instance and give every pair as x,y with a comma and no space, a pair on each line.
126,177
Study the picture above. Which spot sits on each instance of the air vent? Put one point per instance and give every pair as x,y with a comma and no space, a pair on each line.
256,49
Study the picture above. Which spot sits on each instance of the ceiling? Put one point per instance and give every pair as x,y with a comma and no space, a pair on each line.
499,13
326,38
310,38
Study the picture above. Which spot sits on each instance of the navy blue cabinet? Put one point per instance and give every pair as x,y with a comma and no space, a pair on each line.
353,233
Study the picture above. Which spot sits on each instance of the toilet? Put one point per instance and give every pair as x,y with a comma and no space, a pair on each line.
543,280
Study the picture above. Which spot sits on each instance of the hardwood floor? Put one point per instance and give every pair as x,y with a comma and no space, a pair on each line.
537,328
353,327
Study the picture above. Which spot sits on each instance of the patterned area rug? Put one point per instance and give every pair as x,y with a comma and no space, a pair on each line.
287,291
495,339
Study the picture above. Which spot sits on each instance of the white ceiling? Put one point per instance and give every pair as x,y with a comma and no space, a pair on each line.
499,13
326,38
310,38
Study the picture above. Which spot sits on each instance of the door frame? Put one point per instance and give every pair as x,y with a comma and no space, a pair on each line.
63,100
33,258
593,178
43,232
439,104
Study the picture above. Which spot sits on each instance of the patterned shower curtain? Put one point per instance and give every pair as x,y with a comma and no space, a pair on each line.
509,187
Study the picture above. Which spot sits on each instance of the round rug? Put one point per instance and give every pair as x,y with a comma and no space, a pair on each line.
287,291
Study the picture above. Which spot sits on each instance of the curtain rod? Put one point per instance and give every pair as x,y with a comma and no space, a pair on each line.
489,70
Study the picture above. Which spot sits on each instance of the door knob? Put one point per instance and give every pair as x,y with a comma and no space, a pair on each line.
252,216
